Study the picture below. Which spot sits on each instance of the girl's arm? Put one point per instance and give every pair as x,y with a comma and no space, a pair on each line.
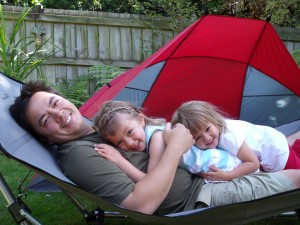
143,198
113,155
156,149
250,164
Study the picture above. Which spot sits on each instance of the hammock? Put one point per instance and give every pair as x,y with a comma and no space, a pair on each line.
19,145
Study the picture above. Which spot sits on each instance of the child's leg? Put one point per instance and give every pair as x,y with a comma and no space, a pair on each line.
294,156
292,138
296,145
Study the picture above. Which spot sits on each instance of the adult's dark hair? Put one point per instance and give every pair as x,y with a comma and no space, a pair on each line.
19,107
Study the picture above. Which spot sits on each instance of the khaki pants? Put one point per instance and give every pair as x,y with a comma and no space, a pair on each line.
244,188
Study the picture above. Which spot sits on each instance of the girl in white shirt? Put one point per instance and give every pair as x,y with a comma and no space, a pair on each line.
210,128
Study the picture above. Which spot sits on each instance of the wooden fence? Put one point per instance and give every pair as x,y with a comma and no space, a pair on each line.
91,38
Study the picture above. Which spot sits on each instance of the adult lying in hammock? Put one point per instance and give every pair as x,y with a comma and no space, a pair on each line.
166,189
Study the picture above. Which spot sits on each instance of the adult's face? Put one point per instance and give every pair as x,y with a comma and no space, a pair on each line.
55,118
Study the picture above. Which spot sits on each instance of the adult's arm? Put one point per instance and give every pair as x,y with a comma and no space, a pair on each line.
156,149
149,192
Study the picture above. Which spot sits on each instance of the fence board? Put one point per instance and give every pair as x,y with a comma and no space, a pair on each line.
136,44
28,33
9,25
104,43
126,49
82,71
60,74
82,47
168,35
70,71
48,37
70,41
115,43
49,71
92,42
147,42
58,38
158,40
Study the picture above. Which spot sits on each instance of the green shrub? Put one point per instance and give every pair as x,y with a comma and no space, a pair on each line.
15,59
284,13
79,90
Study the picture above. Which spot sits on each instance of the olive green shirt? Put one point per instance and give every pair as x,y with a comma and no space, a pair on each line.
85,167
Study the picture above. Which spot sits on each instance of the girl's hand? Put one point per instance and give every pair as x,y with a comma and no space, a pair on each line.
216,174
109,152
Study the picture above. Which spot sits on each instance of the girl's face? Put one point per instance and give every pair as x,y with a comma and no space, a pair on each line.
129,133
208,137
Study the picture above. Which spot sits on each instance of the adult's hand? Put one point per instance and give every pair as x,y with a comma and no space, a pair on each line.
178,137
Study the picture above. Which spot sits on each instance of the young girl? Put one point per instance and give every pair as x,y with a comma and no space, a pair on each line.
125,126
211,129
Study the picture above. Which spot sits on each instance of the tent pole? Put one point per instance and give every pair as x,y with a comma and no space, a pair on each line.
17,208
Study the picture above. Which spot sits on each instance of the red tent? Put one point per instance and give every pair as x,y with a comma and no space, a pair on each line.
239,64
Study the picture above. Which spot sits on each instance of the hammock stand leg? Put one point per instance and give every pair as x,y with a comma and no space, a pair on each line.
17,208
97,215
22,214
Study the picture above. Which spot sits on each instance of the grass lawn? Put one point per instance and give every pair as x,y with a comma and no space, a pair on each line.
56,208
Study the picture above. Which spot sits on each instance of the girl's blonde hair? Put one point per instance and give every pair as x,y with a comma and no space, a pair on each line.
195,115
106,120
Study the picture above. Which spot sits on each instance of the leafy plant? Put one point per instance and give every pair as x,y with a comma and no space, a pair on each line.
79,90
94,5
284,13
75,91
16,61
103,74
